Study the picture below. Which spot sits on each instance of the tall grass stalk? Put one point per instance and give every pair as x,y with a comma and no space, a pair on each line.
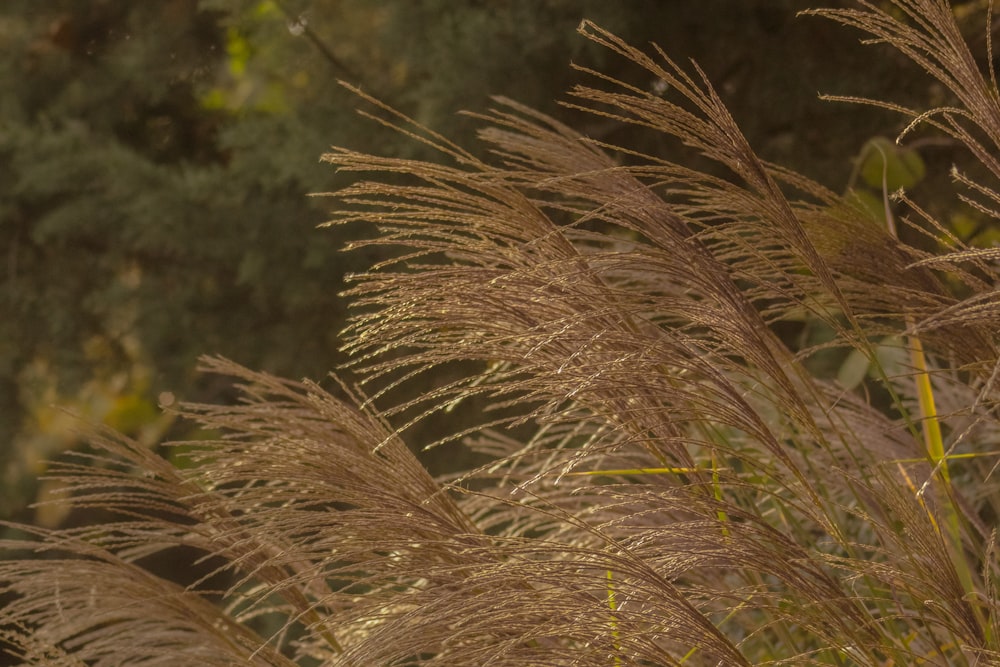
665,479
931,429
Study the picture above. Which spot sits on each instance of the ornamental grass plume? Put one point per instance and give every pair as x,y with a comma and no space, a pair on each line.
666,480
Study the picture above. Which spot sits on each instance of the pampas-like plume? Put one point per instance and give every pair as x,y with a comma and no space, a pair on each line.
687,489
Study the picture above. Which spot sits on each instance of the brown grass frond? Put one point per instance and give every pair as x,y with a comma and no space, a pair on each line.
664,478
927,33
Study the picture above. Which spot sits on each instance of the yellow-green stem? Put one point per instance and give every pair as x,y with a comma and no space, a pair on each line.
930,425
613,606
717,489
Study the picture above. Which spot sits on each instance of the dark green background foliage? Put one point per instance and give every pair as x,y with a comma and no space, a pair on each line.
155,159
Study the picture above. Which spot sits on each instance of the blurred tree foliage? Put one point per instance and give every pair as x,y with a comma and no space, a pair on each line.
155,159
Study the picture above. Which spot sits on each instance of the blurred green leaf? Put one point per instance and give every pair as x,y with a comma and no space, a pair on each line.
130,412
903,167
853,370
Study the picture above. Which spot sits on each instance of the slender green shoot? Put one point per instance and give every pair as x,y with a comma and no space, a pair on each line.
613,617
930,424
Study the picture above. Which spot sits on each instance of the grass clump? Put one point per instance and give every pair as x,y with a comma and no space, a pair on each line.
666,480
